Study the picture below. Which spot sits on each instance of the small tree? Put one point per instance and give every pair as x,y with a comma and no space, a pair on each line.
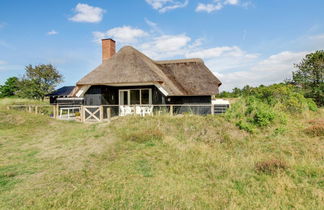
39,81
9,88
310,76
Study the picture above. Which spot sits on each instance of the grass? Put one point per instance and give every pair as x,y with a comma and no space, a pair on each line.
162,162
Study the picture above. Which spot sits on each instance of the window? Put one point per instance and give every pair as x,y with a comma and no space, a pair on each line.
135,96
145,96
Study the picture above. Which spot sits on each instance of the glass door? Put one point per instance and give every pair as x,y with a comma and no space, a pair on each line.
124,97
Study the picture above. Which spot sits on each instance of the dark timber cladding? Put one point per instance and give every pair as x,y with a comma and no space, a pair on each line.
109,95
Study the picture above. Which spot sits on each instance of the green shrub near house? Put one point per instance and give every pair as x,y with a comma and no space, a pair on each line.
268,106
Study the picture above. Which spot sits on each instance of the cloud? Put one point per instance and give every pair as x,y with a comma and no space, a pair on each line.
52,32
167,5
209,7
217,5
150,23
124,34
166,46
221,51
273,69
87,13
232,2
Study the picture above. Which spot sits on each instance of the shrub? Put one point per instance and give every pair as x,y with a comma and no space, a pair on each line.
245,126
266,105
270,166
311,105
263,118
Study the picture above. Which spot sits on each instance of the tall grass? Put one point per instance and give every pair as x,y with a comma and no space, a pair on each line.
160,162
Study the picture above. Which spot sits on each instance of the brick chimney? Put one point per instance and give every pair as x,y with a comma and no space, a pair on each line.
108,49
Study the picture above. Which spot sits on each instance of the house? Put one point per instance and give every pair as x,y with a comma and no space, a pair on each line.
129,78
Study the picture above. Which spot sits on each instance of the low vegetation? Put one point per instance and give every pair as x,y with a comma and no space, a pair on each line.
163,162
270,106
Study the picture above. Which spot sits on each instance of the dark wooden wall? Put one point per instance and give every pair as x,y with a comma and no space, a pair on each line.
108,95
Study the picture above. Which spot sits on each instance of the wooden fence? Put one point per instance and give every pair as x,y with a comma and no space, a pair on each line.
101,113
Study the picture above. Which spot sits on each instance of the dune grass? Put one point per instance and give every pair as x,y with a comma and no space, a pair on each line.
162,162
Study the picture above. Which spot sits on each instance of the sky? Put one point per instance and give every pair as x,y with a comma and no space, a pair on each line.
243,42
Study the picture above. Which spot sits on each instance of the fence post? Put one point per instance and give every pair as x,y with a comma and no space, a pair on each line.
57,110
54,112
83,114
212,111
36,109
101,113
8,107
29,109
171,110
108,113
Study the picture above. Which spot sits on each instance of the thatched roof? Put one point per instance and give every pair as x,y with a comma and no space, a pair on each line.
177,77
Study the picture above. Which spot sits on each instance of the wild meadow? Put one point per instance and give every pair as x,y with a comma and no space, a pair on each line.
264,153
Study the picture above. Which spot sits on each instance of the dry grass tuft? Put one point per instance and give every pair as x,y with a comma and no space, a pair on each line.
145,135
316,128
271,166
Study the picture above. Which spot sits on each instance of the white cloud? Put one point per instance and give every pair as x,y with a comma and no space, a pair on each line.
2,62
216,5
167,5
52,32
166,46
274,69
232,2
124,34
150,23
221,51
209,7
87,13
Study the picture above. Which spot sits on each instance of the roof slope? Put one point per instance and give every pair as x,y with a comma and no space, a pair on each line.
63,91
177,77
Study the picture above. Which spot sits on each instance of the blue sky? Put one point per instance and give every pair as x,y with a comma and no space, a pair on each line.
242,41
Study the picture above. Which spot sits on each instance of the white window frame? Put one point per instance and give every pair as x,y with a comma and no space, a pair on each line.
128,96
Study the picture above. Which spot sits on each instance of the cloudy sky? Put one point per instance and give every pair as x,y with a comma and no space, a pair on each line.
242,41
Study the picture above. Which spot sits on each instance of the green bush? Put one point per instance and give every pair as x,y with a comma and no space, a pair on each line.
267,105
311,105
245,126
263,118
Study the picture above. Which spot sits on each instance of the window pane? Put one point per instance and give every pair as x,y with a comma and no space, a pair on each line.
125,97
135,97
145,96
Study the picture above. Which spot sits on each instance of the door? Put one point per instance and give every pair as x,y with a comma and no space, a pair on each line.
124,97
134,101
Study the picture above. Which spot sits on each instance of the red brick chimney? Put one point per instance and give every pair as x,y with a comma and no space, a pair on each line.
108,49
